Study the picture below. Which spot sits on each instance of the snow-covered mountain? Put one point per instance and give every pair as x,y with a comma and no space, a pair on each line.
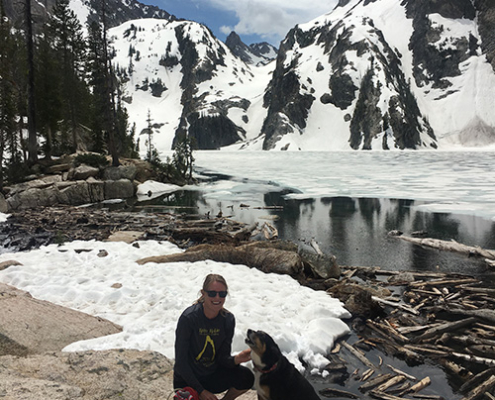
376,74
118,11
188,82
255,54
382,74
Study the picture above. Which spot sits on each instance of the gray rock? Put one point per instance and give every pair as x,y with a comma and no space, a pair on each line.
4,206
58,168
322,265
120,172
83,193
40,183
83,172
40,326
121,189
33,198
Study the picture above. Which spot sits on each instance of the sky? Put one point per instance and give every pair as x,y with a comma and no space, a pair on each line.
254,20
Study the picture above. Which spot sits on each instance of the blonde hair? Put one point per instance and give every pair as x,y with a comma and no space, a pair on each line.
210,278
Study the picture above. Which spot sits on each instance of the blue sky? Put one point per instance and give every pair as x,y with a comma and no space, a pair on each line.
253,20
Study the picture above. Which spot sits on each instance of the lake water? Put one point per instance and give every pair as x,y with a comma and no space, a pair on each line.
349,202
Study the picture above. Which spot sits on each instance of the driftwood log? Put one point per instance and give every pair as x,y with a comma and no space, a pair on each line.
451,246
268,256
265,259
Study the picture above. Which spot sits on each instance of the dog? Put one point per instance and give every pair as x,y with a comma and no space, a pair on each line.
275,377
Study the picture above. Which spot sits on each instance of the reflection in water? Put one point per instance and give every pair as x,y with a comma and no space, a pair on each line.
354,230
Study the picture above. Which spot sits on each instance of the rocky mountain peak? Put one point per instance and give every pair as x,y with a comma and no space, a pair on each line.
254,54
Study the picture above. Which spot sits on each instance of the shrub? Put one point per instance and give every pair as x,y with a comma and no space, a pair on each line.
91,159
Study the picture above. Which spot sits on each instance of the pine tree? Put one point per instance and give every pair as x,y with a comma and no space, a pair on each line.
33,139
99,104
103,83
48,97
70,48
9,155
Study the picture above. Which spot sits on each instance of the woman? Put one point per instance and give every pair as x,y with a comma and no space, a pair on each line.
203,343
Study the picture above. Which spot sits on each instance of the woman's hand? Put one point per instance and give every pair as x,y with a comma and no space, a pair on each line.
242,357
205,395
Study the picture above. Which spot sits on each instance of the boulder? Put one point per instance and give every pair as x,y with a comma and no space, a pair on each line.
57,168
83,172
144,170
120,172
110,374
83,193
39,183
122,374
37,326
121,189
126,236
33,198
322,265
4,206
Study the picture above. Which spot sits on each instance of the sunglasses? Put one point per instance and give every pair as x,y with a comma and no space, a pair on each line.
213,293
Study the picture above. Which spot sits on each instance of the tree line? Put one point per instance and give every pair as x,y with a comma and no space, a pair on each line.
59,92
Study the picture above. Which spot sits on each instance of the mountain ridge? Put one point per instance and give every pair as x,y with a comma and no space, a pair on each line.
346,80
368,75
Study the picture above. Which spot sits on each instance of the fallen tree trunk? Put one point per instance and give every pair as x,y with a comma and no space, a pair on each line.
452,246
266,260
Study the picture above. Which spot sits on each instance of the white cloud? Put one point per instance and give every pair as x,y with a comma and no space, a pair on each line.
226,29
272,19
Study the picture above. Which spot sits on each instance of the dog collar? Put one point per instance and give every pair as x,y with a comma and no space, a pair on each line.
265,371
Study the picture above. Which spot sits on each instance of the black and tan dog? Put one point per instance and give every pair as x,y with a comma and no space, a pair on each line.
275,377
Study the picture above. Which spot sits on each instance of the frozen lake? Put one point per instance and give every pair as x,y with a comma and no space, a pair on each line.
349,201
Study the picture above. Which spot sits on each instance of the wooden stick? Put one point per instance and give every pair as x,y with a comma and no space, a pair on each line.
444,328
360,356
389,303
377,380
413,329
469,357
420,385
388,331
367,374
476,380
391,382
451,246
486,386
398,371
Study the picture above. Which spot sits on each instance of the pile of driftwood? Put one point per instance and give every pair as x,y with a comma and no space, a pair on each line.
447,319
28,229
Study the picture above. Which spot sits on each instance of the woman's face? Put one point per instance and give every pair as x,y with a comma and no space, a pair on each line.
213,305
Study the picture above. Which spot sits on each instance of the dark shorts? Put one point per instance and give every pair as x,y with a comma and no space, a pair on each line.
240,378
